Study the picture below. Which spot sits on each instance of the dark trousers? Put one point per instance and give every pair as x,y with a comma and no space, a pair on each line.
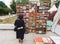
20,34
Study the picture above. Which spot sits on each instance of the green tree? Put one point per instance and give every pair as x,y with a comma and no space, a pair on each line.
4,9
13,6
2,5
24,2
57,4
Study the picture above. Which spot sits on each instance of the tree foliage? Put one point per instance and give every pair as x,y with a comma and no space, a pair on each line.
57,4
13,6
4,9
2,4
24,2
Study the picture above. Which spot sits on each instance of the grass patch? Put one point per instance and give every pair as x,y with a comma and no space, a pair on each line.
10,20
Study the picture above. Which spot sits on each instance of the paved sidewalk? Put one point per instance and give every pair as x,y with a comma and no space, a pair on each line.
9,37
7,26
7,16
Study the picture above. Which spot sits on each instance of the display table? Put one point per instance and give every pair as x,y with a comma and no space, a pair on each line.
57,29
38,40
43,40
56,39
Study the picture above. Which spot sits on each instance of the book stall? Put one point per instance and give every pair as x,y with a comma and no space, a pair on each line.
35,16
42,17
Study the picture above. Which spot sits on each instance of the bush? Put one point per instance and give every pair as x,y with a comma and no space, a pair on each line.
4,11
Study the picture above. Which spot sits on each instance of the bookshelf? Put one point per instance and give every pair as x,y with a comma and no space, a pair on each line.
36,22
42,17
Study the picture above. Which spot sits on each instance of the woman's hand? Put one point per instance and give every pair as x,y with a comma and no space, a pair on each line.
20,28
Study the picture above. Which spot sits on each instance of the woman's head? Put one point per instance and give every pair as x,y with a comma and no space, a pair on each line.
20,16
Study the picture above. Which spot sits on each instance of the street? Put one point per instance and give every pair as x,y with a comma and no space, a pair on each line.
9,37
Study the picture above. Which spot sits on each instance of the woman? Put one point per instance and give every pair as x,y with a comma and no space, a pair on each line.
19,28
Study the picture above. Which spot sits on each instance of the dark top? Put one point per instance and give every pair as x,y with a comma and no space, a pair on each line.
19,23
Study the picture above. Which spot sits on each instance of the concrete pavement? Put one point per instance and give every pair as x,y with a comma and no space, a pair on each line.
9,37
7,16
7,26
